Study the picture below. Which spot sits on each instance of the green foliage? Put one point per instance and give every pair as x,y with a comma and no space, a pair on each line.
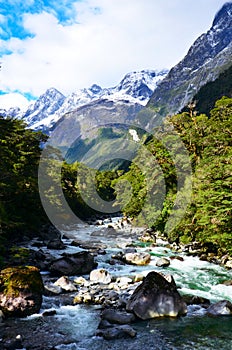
152,175
213,91
209,219
19,153
15,279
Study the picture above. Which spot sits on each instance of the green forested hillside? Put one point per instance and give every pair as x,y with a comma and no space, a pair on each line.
208,138
213,91
20,208
154,183
21,211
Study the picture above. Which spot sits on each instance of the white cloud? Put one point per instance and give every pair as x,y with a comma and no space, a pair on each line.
108,39
13,100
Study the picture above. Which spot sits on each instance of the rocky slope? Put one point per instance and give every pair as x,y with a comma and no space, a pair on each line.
209,56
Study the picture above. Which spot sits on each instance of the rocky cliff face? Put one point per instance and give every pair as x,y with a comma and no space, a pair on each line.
210,55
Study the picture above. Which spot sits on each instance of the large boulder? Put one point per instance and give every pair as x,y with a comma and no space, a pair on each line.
156,296
21,290
73,264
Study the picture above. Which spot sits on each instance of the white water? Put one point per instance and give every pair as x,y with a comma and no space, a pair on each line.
192,276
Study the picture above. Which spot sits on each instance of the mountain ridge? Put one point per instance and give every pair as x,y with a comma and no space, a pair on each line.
135,87
209,56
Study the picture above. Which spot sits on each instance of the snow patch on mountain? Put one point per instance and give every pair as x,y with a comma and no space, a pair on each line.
135,87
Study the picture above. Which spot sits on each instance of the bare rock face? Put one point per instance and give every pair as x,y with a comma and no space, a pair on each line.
156,297
21,291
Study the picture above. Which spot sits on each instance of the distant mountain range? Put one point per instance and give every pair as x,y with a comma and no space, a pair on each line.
164,93
135,89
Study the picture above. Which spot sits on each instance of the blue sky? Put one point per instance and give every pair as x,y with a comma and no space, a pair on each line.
71,44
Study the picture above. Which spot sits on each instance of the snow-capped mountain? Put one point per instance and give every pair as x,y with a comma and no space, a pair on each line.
209,55
135,87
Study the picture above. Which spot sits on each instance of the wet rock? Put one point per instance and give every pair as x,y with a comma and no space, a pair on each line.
123,282
93,246
221,308
117,332
224,259
81,281
177,257
196,300
137,258
49,233
228,264
163,262
123,244
14,344
100,276
51,289
148,237
227,283
21,291
118,317
1,316
156,297
56,244
49,313
73,264
65,284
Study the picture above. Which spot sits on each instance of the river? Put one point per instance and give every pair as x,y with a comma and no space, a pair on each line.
74,326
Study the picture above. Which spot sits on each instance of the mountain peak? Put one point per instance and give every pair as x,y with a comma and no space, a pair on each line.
223,13
209,55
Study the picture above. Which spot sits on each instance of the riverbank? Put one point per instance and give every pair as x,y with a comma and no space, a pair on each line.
63,325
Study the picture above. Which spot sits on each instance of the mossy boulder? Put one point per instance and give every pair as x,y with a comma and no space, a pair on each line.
21,290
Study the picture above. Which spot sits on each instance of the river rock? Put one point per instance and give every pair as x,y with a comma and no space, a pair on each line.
49,233
148,237
156,297
138,258
64,283
123,282
196,300
50,289
223,307
1,316
163,262
118,317
21,291
227,283
100,276
116,332
73,264
13,344
228,264
56,244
